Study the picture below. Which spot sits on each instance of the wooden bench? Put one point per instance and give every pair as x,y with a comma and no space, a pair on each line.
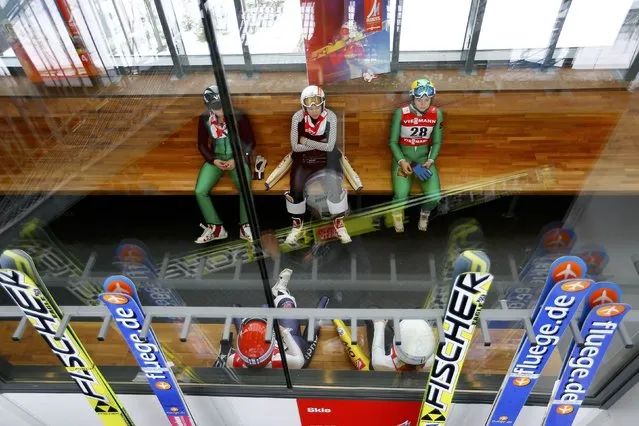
147,144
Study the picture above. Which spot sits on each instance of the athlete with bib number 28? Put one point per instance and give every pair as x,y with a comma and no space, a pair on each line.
415,141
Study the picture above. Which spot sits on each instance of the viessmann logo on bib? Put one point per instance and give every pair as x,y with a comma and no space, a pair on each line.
373,10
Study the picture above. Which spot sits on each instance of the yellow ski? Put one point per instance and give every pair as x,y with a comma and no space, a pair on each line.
22,282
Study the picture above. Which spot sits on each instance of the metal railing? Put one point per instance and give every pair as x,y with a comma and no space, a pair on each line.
310,314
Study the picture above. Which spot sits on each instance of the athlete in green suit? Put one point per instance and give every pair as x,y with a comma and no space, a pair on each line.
415,141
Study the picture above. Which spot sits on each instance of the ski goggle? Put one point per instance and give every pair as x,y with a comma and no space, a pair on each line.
313,101
214,106
421,91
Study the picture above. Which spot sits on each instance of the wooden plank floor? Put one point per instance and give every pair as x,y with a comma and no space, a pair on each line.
329,354
148,144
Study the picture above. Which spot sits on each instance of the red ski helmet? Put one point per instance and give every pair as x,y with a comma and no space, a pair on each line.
252,346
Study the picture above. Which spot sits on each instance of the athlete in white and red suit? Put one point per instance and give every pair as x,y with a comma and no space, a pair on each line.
252,350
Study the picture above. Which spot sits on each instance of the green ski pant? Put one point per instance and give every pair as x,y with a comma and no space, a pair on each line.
402,185
206,180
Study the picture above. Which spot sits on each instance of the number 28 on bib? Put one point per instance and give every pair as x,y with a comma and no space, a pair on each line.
416,130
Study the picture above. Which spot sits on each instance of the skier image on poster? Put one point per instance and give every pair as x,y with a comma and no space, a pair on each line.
349,58
415,353
215,146
415,141
253,351
313,141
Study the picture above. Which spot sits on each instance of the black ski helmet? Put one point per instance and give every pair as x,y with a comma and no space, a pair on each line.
212,98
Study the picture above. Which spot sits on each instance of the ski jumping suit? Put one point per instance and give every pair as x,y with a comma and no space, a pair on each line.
298,350
416,138
214,143
317,154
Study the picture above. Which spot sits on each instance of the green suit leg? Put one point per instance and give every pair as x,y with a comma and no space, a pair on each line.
401,185
206,180
432,190
236,182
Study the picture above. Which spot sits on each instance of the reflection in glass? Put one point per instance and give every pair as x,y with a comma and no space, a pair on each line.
517,25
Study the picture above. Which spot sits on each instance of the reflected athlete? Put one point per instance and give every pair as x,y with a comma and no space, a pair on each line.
416,352
253,351
215,147
313,137
415,141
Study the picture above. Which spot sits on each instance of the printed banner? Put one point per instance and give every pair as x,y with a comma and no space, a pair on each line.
129,318
553,319
333,412
345,39
582,363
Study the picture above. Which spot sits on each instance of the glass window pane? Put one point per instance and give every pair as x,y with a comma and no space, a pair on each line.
89,169
187,13
517,24
422,20
590,24
605,37
273,26
224,22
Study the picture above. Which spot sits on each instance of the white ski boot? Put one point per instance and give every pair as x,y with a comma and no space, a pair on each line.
245,232
211,233
296,232
340,228
282,283
398,221
423,220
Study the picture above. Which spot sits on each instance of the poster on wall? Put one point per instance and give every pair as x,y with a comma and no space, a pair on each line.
345,39
335,412
89,65
31,71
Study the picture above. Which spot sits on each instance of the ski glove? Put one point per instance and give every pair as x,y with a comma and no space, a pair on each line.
260,166
423,173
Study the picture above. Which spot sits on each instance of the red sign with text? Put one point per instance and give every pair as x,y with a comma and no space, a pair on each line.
336,412
373,15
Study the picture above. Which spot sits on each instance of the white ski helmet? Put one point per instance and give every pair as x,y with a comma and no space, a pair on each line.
417,342
312,95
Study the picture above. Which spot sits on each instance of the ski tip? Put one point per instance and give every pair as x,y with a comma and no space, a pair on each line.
604,292
566,268
119,284
11,255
